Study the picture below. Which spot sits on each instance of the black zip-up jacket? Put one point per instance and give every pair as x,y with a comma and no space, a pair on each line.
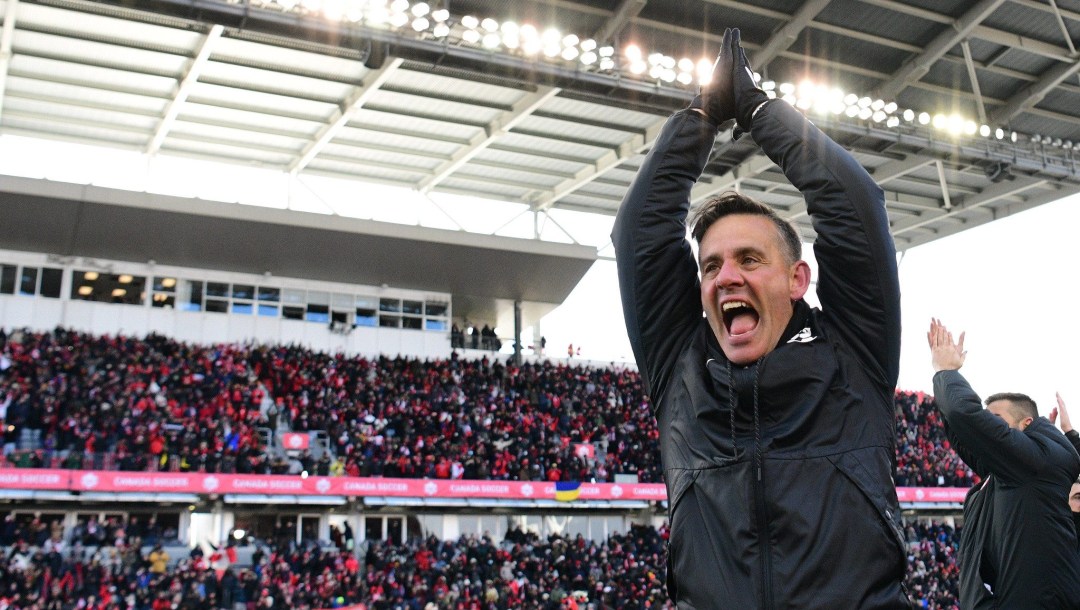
1018,537
779,474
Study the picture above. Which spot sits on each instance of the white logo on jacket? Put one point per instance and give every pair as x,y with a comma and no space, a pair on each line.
803,336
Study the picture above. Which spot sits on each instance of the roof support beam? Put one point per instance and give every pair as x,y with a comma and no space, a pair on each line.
898,169
990,194
501,125
974,78
1017,42
186,85
1026,98
783,38
946,201
916,67
6,39
344,113
634,146
1064,30
628,9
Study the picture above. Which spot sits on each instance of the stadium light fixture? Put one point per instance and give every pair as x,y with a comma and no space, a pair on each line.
433,21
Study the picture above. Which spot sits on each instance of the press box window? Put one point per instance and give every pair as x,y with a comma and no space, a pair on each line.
50,282
191,295
366,312
28,281
164,292
7,279
269,297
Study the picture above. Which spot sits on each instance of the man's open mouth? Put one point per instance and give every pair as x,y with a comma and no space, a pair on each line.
739,317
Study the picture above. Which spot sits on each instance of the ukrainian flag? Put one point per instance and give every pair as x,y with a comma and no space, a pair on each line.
566,491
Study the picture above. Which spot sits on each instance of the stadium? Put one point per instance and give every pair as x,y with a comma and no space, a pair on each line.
274,277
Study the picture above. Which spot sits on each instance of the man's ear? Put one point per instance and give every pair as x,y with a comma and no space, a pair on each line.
800,279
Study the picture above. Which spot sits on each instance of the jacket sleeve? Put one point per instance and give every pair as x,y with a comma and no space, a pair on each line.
995,448
858,283
658,278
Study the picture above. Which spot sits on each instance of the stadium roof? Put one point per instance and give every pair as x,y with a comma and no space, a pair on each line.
337,88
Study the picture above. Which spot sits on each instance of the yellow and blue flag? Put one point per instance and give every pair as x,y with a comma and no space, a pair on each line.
565,491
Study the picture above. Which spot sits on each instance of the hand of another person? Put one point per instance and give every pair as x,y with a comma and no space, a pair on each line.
945,354
1066,423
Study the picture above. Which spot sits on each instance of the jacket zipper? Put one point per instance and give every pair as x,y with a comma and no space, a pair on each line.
762,516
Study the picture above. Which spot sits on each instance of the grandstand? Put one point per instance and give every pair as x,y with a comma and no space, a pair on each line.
214,339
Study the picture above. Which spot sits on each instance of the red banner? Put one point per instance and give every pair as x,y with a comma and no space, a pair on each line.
202,483
585,450
295,441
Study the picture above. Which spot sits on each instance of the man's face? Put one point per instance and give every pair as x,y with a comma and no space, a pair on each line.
747,285
1074,498
1004,410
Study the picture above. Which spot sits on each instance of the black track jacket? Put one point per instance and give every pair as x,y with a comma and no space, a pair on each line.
1018,534
795,507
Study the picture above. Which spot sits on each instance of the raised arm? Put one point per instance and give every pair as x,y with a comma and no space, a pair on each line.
858,284
658,278
657,273
983,440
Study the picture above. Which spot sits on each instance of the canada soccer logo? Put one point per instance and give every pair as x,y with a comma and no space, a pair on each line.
295,441
430,488
526,490
89,480
210,483
616,491
322,486
919,494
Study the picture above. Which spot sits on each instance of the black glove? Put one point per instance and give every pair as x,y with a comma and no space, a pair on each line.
717,99
747,95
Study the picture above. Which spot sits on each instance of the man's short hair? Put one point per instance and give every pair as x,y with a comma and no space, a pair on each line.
730,203
1021,404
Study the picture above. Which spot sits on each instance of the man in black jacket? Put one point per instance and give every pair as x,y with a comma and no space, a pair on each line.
1018,547
776,419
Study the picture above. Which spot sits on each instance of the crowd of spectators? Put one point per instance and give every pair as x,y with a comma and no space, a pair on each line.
470,573
933,573
97,402
924,457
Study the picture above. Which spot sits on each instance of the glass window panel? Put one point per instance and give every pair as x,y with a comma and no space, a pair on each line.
373,528
242,307
341,300
7,279
163,300
50,282
390,321
191,295
28,281
392,305
217,306
367,302
270,311
290,312
435,308
317,313
294,297
415,308
366,317
318,298
269,293
243,291
217,289
430,324
164,284
414,323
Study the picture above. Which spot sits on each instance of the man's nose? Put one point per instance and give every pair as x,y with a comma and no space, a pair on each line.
729,275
